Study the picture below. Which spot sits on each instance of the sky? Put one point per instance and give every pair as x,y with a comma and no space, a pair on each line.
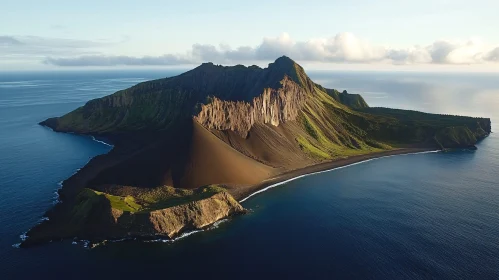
452,35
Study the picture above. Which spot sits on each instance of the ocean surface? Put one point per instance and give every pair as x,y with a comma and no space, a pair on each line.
422,216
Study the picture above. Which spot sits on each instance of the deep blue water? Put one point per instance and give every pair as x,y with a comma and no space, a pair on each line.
404,217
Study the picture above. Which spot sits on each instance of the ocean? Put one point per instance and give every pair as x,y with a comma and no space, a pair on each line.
423,216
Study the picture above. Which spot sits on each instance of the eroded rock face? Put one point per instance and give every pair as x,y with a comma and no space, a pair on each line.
177,219
271,107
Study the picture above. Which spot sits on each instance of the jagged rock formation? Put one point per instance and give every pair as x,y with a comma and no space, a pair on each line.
271,107
235,126
177,219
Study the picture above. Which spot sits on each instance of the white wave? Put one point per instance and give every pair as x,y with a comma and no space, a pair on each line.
160,240
336,168
86,243
217,223
184,235
17,245
168,240
56,194
23,236
120,240
102,142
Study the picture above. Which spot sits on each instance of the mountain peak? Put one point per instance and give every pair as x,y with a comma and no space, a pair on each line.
286,66
284,60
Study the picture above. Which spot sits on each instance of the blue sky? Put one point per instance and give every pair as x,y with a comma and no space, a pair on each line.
363,34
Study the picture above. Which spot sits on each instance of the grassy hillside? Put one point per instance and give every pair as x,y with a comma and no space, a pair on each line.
140,200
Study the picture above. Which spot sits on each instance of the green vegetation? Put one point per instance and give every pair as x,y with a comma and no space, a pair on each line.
355,101
126,203
405,126
306,146
310,128
167,196
143,200
329,125
451,137
86,202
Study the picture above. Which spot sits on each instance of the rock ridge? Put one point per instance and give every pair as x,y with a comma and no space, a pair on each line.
273,106
175,220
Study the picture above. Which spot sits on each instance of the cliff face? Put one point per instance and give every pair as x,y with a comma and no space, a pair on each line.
486,125
158,104
177,219
96,217
273,106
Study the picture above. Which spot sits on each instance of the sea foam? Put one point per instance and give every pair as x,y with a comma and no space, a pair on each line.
100,141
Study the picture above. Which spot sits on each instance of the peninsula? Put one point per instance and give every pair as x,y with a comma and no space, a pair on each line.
188,148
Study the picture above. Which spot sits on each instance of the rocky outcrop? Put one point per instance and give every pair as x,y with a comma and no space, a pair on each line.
174,220
94,219
273,106
462,136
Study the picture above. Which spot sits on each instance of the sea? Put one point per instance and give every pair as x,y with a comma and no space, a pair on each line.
422,216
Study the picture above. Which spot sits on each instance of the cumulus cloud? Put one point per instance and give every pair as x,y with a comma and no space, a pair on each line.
341,48
493,55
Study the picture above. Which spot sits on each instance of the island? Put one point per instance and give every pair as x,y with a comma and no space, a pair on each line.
187,149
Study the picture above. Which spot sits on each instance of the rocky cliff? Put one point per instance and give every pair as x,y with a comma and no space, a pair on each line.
273,106
100,216
175,220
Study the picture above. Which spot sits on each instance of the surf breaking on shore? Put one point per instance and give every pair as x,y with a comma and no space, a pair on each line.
328,170
87,244
281,180
102,142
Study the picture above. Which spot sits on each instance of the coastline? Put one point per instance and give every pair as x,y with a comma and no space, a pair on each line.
243,194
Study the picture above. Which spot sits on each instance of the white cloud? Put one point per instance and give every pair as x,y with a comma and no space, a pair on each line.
341,48
493,55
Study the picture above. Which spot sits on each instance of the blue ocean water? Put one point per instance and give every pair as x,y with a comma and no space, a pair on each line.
405,217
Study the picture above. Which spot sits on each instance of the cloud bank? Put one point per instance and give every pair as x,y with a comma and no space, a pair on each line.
341,48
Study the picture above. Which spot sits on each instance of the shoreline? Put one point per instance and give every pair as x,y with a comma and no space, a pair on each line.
243,193
292,175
